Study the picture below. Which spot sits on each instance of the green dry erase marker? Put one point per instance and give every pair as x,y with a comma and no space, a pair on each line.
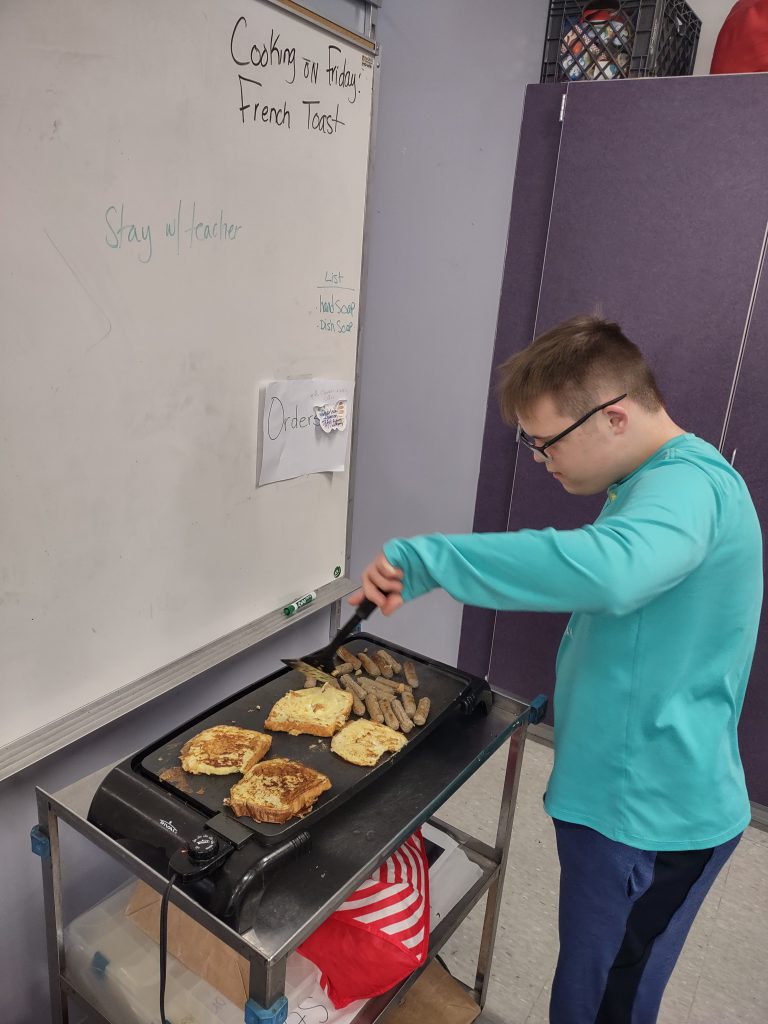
301,603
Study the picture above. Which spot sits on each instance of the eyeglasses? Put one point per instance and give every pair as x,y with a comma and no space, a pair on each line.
542,448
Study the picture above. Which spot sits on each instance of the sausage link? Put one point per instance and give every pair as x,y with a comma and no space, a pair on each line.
405,723
348,656
353,686
373,686
396,666
369,665
385,668
390,684
409,703
389,715
357,704
409,671
422,711
374,710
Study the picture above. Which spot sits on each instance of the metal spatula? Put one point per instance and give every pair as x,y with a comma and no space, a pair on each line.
323,659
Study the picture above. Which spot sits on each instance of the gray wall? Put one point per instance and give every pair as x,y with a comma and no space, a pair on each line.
712,13
451,95
453,76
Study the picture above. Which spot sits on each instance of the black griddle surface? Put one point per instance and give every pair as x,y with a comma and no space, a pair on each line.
249,711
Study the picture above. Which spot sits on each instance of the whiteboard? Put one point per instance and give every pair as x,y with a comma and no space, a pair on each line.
183,190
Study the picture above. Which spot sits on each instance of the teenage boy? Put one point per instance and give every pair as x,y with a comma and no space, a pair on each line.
647,791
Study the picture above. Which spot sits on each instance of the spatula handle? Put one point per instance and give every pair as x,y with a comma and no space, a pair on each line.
364,609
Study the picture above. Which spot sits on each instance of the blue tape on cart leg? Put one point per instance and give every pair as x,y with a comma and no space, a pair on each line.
276,1014
538,709
41,844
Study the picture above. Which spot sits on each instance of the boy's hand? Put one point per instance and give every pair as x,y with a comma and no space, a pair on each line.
382,584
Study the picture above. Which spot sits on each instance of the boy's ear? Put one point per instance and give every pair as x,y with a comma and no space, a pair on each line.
618,419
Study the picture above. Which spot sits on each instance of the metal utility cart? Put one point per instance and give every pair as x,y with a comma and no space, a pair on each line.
347,846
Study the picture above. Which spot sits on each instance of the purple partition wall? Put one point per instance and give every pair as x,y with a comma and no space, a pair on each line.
657,221
745,444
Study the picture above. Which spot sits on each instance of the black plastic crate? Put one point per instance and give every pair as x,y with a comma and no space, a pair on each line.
619,39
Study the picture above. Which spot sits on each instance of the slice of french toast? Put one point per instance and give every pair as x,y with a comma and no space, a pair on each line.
223,750
276,790
362,742
316,711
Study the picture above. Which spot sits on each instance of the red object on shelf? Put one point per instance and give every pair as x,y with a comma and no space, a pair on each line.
742,44
380,934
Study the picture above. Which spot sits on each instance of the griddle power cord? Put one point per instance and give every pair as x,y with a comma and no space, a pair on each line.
164,945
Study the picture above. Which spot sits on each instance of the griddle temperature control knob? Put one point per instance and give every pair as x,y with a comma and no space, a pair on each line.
203,847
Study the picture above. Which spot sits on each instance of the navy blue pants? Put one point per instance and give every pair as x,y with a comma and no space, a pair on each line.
624,916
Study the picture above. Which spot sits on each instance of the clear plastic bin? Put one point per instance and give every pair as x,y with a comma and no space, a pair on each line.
117,968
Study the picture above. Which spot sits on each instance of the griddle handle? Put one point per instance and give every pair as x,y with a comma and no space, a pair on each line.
252,883
285,852
303,842
477,694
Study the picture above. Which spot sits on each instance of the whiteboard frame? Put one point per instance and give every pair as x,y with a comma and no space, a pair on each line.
54,736
34,746
347,34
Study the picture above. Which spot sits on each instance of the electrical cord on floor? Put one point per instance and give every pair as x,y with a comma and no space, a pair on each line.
164,944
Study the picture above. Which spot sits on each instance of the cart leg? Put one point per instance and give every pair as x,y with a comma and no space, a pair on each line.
267,1003
493,903
45,842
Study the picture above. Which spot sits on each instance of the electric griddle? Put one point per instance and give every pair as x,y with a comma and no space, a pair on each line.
178,823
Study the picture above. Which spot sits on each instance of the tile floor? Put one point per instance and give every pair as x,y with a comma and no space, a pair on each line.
722,974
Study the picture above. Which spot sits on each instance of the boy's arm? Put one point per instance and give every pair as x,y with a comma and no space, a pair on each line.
663,532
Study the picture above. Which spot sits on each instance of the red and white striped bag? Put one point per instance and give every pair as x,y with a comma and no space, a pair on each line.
380,934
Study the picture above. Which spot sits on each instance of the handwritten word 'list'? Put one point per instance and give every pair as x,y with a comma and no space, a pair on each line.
275,63
186,229
337,304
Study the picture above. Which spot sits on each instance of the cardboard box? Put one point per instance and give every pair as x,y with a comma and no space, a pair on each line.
192,944
436,998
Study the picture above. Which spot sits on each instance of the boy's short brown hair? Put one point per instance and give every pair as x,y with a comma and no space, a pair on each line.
575,363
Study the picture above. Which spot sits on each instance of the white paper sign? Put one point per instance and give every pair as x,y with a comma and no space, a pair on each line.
305,428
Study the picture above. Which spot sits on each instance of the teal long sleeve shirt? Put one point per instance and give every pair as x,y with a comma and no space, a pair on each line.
665,588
